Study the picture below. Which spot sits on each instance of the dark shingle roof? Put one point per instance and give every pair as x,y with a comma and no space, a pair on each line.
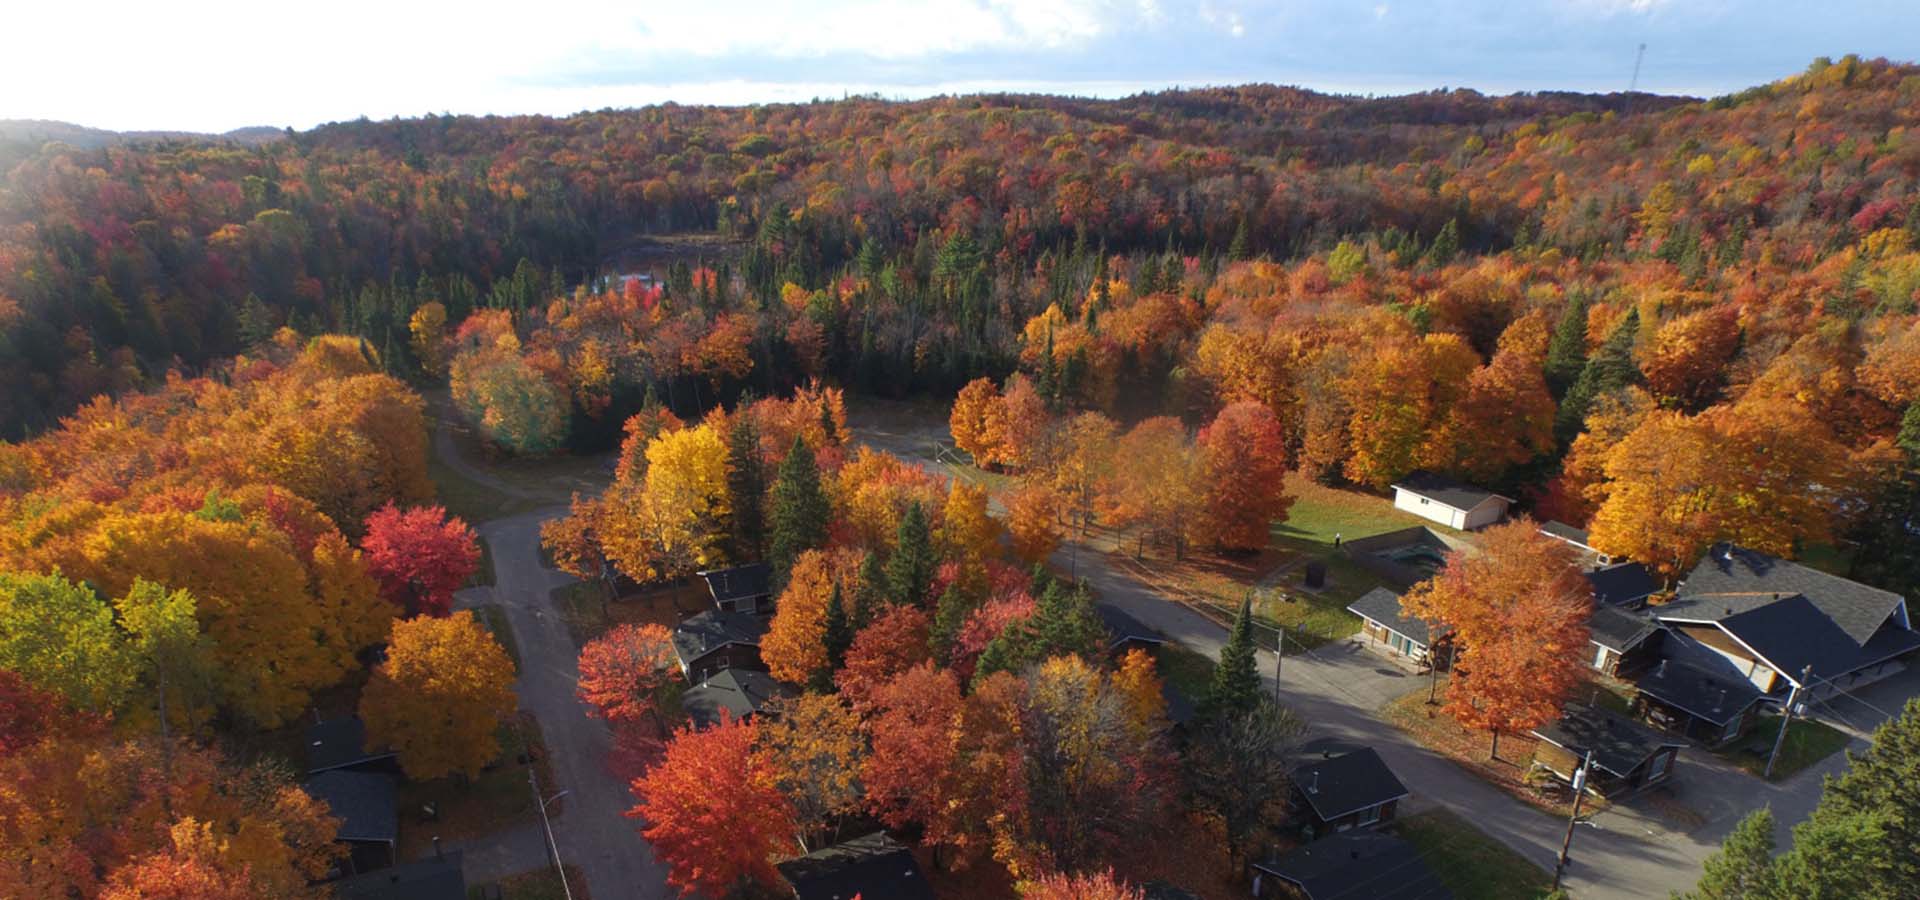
428,879
1123,627
873,867
1442,489
738,693
1383,606
1789,632
1709,691
702,634
366,803
1565,532
339,743
1358,864
1347,783
1617,629
1622,584
1619,744
1858,610
739,582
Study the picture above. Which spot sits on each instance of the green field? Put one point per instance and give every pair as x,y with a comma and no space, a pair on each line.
1475,866
1808,741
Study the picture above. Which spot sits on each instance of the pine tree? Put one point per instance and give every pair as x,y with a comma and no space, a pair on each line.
1883,785
798,519
838,637
910,569
950,615
1240,248
1063,624
1743,867
1235,688
1611,369
746,488
870,594
1446,244
1567,352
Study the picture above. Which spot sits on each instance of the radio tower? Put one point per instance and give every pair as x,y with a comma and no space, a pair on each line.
1634,84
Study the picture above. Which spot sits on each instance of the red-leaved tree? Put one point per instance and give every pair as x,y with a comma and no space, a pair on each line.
622,671
420,556
1243,453
710,815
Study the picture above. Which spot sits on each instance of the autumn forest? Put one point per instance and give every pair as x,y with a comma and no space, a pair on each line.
1671,322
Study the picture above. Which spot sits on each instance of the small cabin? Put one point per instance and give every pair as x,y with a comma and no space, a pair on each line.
1627,756
1449,502
367,805
1385,629
1349,866
713,640
1352,790
872,866
742,589
734,694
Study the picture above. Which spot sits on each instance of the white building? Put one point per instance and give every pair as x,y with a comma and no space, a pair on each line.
1449,502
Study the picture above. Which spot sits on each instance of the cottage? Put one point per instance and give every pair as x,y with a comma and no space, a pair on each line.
1615,634
1355,864
1697,694
871,866
367,805
733,694
1386,629
1449,502
743,589
439,878
1124,632
1352,790
713,640
1622,584
1782,624
342,744
1627,755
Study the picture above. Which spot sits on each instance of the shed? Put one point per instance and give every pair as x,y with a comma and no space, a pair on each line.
1615,634
1627,755
1449,502
1352,790
872,866
746,589
1386,629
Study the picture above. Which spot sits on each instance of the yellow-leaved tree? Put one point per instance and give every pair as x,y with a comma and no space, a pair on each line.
440,697
673,522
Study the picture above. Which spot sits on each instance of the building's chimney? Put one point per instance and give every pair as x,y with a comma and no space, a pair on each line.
1313,786
1660,671
1720,702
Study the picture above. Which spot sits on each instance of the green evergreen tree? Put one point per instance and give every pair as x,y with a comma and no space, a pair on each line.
1063,623
1743,867
1446,244
1235,688
799,514
839,636
746,488
950,615
870,594
1567,351
1611,369
910,568
1241,247
1883,785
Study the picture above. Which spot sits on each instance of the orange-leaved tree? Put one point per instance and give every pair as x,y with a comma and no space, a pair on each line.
794,648
1032,522
979,423
892,644
1517,612
440,697
1086,886
812,754
623,671
1243,463
710,814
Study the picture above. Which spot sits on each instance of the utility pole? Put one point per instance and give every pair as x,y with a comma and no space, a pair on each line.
1786,718
1279,656
1634,85
1579,793
533,781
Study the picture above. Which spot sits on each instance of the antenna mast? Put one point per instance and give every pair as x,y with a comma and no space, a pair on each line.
1634,84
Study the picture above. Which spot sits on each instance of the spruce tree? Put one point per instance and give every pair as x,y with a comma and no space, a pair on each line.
839,634
1611,369
798,519
1567,352
949,616
870,594
1743,867
1446,244
1235,688
910,569
746,488
1240,247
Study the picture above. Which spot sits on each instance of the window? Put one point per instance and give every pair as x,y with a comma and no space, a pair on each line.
1368,816
1732,730
1423,501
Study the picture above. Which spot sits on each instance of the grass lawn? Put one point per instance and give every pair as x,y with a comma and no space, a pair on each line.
495,619
1475,866
1189,671
1437,731
581,606
539,884
1808,741
469,808
1320,512
469,499
483,574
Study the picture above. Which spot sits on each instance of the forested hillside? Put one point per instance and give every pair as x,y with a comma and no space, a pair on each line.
121,262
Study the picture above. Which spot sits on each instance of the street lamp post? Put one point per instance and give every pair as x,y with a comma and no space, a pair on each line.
553,849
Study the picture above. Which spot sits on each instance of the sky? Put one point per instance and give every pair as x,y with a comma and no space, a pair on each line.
214,65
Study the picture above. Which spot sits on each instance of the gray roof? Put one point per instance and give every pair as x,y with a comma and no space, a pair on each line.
1383,606
1444,490
1357,864
873,866
1617,629
429,879
1619,744
1790,632
340,743
366,803
1565,532
1622,584
1858,610
1123,627
738,693
1699,682
702,634
1347,783
739,582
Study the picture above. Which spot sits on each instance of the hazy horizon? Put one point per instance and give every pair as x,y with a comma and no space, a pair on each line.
218,66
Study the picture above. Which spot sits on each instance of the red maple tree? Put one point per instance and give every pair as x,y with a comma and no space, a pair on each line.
709,815
420,556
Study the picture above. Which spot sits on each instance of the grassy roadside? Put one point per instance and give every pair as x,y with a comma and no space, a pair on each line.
1808,741
1473,865
469,808
539,884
